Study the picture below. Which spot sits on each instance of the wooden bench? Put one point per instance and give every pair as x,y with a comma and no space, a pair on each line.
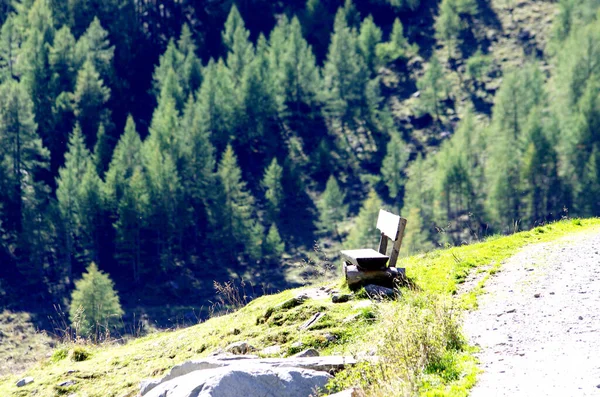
367,266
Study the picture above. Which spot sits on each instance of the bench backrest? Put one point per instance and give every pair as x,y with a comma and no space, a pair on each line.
391,227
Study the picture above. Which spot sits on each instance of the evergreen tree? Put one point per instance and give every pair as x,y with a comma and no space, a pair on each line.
180,59
433,87
416,239
332,209
95,307
393,164
34,67
217,103
132,219
240,51
69,194
125,160
344,79
164,187
273,190
447,24
364,234
273,247
238,224
369,38
10,41
95,47
396,47
297,75
89,100
22,154
198,174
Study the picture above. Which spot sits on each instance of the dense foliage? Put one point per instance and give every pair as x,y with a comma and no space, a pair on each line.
165,141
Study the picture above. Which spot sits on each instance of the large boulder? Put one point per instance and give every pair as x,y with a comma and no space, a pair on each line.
327,364
244,380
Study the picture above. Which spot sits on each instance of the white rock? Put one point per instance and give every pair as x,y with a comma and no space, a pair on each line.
239,348
244,380
307,353
271,350
24,381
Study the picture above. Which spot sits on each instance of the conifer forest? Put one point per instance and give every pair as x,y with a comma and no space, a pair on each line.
173,143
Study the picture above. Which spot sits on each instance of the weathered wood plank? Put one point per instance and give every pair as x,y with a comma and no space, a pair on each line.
397,243
365,258
388,224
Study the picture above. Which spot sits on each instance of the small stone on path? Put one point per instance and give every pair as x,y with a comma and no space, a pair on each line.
307,353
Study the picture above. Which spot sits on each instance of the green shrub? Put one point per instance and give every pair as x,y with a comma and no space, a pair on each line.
59,354
79,353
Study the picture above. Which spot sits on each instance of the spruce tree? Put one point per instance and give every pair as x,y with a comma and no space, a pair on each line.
125,160
447,24
271,183
393,164
95,307
368,39
364,234
433,88
10,41
89,102
240,50
416,238
69,197
396,47
95,47
131,221
238,225
273,246
165,192
22,152
332,209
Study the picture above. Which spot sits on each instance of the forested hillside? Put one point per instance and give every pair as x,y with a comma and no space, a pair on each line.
173,143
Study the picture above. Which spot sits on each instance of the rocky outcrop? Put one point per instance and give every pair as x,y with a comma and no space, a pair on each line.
204,371
244,380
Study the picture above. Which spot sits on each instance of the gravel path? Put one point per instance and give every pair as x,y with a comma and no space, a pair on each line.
538,323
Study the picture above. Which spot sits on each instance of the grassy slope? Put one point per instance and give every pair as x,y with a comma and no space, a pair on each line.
115,370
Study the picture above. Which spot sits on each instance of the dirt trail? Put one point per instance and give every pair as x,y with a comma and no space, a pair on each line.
538,323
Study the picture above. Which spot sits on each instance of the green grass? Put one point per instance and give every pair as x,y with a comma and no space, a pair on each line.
427,318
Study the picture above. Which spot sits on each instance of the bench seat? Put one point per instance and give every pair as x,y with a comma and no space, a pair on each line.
366,258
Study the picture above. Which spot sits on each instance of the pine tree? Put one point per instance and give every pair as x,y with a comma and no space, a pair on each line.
22,152
393,165
273,246
89,100
125,160
297,75
332,209
164,187
416,239
238,225
396,47
240,51
95,307
95,47
217,103
68,195
433,87
344,79
132,219
198,173
10,41
447,25
34,68
273,190
364,234
368,40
